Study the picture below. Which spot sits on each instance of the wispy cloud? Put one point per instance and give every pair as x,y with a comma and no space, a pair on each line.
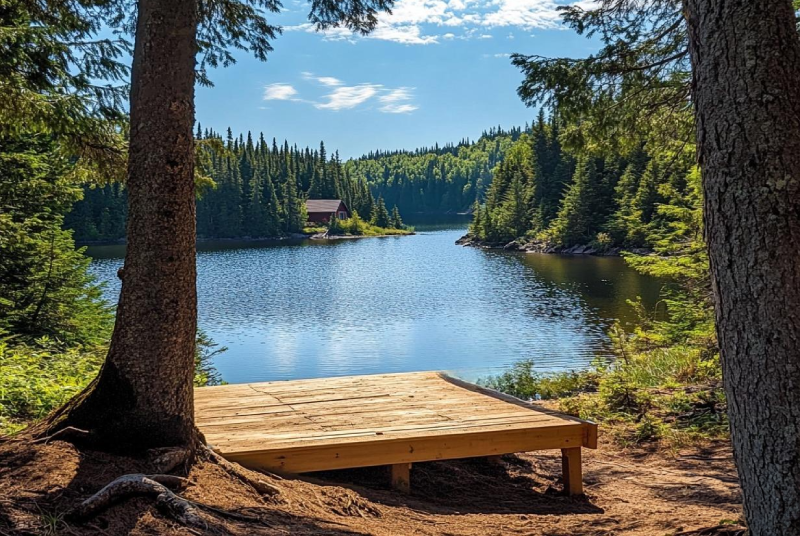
279,92
397,100
347,97
324,80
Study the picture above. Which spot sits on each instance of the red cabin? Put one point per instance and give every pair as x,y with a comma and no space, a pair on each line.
320,210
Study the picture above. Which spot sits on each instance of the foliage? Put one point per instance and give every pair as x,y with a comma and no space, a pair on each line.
45,289
355,226
435,179
543,193
523,381
249,189
204,353
665,383
381,217
637,86
59,79
41,376
54,325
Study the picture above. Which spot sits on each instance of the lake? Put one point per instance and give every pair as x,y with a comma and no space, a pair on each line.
309,309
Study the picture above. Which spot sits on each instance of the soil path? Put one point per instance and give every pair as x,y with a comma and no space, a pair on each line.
633,492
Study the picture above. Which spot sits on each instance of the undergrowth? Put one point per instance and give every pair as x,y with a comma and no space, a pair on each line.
670,393
42,375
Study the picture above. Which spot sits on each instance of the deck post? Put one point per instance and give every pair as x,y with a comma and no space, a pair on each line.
572,471
401,477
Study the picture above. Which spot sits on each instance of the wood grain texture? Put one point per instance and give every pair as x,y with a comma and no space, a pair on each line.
385,419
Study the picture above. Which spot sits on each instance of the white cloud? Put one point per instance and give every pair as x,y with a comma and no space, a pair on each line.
503,55
408,34
526,14
324,80
279,92
396,101
329,81
414,22
395,95
346,97
339,96
399,108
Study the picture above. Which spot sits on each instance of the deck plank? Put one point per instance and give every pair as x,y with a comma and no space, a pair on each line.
356,421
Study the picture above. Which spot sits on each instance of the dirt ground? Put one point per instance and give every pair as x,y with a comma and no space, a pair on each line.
634,492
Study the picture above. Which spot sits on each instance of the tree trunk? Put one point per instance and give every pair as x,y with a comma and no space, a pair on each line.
746,90
143,395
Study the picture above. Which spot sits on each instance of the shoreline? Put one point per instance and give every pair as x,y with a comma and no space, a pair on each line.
548,249
248,239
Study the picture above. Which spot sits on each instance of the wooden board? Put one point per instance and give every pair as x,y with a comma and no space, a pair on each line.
386,419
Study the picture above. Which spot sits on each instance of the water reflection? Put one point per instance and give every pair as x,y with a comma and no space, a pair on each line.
312,309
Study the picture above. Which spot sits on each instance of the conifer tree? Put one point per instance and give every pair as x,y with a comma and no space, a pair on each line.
381,217
576,222
397,221
45,288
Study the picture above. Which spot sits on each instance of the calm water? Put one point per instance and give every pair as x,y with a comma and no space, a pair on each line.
313,309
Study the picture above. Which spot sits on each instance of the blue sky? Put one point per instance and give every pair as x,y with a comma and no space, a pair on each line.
433,71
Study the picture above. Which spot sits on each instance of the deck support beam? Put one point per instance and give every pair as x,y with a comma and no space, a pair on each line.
401,477
572,471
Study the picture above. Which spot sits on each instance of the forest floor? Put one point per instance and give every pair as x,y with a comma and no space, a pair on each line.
637,491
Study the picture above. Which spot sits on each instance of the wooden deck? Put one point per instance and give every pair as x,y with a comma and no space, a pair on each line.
388,419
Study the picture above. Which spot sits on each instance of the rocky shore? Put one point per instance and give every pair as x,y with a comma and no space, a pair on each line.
539,246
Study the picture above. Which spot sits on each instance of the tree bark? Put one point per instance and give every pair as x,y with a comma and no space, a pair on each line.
143,395
746,90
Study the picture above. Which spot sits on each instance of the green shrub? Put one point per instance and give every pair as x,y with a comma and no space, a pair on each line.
36,379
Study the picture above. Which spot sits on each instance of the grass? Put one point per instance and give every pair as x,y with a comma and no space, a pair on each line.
37,378
670,395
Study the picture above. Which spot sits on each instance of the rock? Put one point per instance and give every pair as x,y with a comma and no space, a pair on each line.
465,240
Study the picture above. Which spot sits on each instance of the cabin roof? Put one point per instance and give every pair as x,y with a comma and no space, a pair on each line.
328,206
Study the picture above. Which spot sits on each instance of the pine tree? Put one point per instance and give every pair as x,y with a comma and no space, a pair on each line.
45,287
397,221
576,222
381,217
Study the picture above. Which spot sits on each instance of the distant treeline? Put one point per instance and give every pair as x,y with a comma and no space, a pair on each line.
438,179
246,188
541,192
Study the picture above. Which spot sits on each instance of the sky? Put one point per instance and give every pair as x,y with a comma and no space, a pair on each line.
433,71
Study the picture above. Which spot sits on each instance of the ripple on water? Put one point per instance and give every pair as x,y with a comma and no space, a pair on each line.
316,309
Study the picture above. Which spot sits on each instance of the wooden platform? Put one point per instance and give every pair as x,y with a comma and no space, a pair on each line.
389,419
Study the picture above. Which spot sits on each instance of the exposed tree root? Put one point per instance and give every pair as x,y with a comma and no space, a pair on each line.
165,460
251,478
68,433
126,486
